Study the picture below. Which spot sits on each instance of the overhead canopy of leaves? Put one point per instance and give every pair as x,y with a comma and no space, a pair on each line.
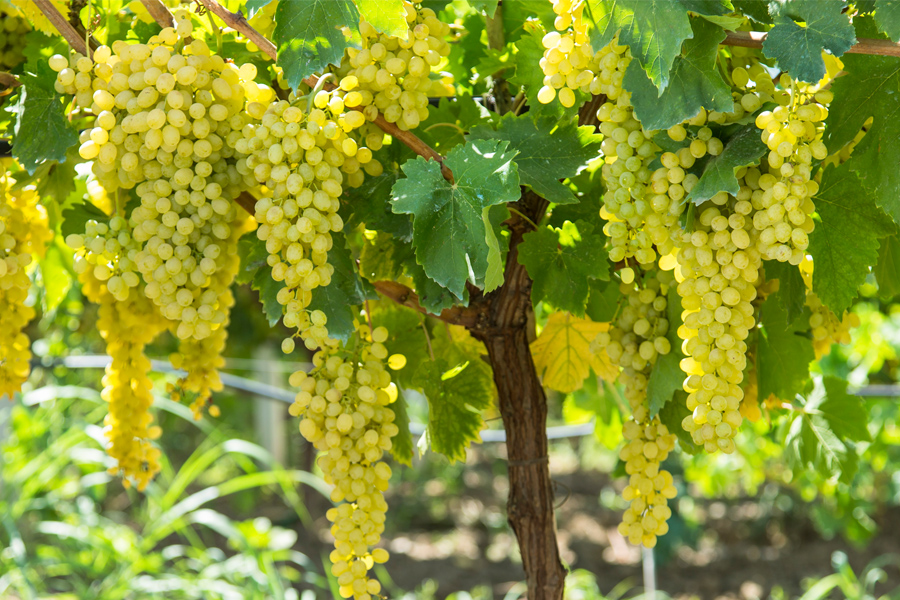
653,29
694,82
42,132
548,150
798,48
844,245
870,88
310,37
743,149
449,230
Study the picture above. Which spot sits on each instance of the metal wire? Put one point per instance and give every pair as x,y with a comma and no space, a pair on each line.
100,361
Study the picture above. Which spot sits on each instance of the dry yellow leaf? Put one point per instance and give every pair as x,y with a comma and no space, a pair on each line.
562,353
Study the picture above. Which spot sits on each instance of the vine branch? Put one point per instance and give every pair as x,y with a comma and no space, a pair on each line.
755,39
66,29
159,12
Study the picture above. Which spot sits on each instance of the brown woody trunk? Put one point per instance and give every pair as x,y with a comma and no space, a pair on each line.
505,330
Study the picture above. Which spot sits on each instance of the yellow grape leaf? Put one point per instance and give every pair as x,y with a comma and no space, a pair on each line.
34,15
604,367
562,353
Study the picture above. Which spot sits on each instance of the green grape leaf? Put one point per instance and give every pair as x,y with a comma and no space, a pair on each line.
387,16
869,89
401,444
798,48
268,294
488,6
384,257
253,254
887,270
603,301
844,244
791,292
42,131
694,82
783,353
406,337
448,228
592,402
56,274
548,150
672,414
346,290
653,29
561,261
447,123
310,35
667,377
74,218
822,433
493,217
743,149
456,396
433,297
754,9
370,205
887,16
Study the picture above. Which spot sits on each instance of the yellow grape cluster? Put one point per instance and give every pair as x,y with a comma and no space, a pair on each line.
635,341
827,329
202,358
301,156
24,234
718,268
165,112
344,408
12,37
568,63
391,75
128,321
783,214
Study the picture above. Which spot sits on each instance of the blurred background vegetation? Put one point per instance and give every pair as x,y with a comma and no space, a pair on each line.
226,520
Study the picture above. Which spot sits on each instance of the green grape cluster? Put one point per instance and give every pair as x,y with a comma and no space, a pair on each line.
344,404
718,272
24,233
784,210
634,342
391,75
108,250
568,63
301,158
13,28
165,113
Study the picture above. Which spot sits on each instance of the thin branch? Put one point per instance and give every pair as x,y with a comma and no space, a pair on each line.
63,26
8,80
238,22
458,315
159,12
755,39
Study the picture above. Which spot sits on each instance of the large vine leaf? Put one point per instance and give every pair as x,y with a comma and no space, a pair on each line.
310,35
370,205
783,352
844,245
456,396
695,82
562,353
826,425
653,29
798,48
449,232
869,89
560,261
791,292
719,175
387,16
548,150
42,132
887,16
